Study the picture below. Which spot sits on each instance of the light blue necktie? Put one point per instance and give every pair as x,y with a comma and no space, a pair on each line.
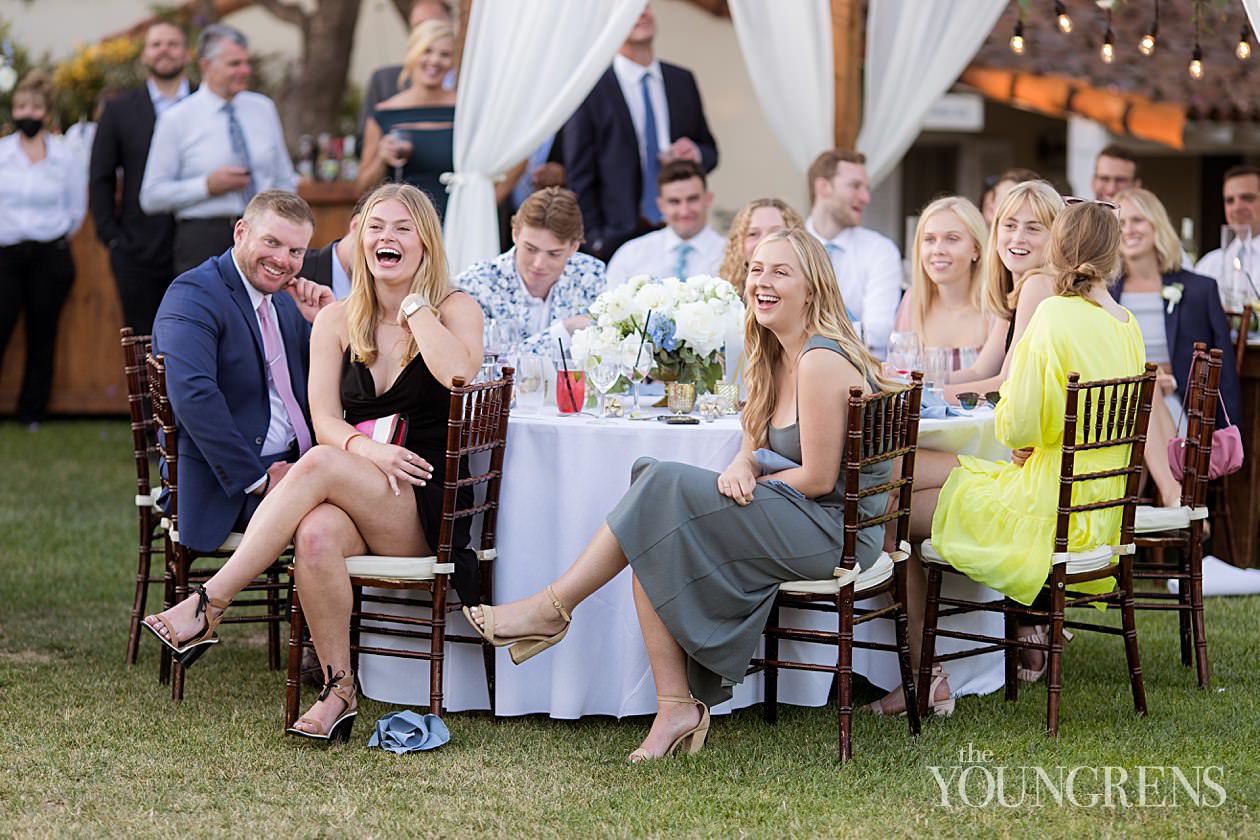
651,151
240,150
680,270
833,253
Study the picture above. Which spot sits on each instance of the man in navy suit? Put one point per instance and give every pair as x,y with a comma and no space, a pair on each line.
242,409
141,247
641,113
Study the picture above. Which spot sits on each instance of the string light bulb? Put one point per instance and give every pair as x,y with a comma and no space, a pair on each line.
1243,50
1017,37
1146,46
1108,50
1065,22
1196,63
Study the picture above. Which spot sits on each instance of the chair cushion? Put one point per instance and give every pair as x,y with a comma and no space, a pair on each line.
391,568
1150,519
1077,561
880,571
230,544
403,568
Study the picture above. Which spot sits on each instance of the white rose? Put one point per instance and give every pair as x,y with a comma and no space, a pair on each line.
618,305
652,296
580,344
8,78
698,326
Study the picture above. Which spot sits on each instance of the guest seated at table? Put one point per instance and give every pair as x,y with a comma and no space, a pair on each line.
944,305
542,281
1175,308
394,346
1013,287
708,551
994,521
754,222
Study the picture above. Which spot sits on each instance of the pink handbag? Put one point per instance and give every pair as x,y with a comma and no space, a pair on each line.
1227,450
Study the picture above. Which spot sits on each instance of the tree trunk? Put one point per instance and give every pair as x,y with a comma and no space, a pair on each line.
314,92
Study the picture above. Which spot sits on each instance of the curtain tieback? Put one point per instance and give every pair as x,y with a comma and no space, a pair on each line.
455,179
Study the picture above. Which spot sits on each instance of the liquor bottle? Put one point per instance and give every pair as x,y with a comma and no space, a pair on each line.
349,159
306,158
330,168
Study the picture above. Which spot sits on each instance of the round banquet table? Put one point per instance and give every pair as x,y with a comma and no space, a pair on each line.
561,477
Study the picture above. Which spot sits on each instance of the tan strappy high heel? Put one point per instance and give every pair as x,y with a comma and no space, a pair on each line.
523,647
691,741
187,652
341,685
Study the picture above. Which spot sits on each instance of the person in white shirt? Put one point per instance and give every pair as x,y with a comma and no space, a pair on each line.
214,151
43,199
867,264
1241,193
542,284
686,246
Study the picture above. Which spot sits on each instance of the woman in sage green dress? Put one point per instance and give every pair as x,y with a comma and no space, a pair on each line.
708,551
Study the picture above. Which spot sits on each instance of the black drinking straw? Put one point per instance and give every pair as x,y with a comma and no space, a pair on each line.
568,384
642,338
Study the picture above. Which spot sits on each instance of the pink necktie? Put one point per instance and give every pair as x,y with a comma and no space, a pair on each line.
274,350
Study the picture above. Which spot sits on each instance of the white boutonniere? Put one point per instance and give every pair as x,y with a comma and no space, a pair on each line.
1172,294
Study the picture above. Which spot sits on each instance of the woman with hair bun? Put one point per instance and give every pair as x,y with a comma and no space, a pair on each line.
994,521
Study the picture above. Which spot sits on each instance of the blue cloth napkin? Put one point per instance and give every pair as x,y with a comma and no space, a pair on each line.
406,731
934,407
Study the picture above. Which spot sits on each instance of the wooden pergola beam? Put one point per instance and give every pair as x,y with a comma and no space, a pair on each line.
846,49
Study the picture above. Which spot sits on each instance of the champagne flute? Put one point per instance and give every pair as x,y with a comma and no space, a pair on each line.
640,367
399,136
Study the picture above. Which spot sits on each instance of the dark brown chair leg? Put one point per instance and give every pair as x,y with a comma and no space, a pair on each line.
355,610
293,681
181,592
1129,621
273,624
1010,655
168,601
901,629
1183,606
1054,660
927,651
844,673
1196,612
438,641
770,676
487,652
145,556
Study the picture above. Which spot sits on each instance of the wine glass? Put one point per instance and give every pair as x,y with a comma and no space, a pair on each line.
530,383
640,367
937,362
603,373
903,352
400,137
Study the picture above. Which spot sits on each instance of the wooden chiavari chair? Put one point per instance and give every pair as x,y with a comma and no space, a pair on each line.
1099,415
476,428
881,428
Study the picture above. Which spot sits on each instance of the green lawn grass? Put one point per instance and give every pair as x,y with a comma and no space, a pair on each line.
90,747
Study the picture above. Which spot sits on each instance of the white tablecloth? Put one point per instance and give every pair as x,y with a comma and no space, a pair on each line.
562,475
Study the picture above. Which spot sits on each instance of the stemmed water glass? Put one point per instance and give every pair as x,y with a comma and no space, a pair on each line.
639,368
903,353
603,372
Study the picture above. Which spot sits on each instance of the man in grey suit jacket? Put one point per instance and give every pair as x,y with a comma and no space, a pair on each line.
383,82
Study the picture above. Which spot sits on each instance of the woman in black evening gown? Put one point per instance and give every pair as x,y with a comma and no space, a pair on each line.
394,346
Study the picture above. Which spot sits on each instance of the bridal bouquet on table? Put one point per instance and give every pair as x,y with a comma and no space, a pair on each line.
686,321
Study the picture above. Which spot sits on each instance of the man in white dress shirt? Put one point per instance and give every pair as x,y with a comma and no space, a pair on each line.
686,245
214,151
867,264
1241,193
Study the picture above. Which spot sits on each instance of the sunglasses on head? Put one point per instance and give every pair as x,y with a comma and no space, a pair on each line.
971,399
1072,201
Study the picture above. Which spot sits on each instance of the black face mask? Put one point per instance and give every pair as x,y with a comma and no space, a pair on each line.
29,126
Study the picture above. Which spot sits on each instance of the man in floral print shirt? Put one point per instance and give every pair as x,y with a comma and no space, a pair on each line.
542,282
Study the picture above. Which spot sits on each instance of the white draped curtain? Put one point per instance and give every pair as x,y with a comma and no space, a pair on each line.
914,52
1253,13
527,66
787,49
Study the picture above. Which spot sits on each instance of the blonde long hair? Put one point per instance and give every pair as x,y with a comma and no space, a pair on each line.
421,38
363,307
825,315
1167,245
1000,292
924,289
734,269
1084,248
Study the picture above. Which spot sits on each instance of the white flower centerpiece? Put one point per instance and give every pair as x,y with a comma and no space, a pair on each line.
690,320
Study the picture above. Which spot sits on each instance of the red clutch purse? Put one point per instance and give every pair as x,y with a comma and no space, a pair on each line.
391,428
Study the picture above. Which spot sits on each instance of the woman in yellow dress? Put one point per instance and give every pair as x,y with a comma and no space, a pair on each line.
994,521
